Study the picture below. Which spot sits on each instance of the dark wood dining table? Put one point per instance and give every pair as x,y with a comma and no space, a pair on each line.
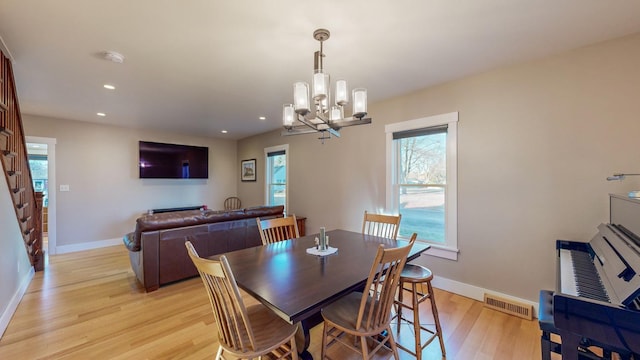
297,285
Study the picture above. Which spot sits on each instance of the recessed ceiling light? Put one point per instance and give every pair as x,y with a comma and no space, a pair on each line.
108,86
101,114
262,118
224,131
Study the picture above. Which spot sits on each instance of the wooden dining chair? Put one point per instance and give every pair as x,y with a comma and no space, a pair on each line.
243,332
381,225
367,315
232,203
278,229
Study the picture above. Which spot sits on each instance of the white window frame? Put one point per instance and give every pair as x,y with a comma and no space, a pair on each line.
267,173
450,249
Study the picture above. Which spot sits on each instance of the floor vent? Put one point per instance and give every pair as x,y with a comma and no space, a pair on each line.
508,306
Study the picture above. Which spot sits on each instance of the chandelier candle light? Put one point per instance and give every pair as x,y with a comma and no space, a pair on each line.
301,118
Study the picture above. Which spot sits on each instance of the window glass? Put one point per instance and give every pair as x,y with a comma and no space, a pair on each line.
422,175
277,182
276,175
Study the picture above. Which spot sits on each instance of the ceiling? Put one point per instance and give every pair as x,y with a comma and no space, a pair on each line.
203,66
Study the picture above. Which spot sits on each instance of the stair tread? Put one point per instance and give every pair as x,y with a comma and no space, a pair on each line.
6,132
8,153
30,241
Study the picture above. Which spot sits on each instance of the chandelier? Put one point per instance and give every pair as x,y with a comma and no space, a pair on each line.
316,113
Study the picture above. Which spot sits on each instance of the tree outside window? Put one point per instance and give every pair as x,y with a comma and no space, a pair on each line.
422,184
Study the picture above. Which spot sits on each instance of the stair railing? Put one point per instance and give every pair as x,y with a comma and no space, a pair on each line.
13,152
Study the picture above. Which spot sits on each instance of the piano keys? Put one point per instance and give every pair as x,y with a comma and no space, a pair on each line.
579,275
597,297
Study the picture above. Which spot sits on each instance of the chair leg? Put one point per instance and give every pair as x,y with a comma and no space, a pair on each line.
364,347
436,318
416,319
392,342
219,354
294,348
399,306
324,341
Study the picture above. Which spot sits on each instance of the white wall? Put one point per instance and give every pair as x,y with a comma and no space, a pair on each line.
99,163
15,267
536,142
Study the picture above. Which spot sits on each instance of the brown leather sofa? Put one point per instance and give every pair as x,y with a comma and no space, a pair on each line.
156,248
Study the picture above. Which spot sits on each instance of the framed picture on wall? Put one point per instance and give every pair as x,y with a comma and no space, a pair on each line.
248,170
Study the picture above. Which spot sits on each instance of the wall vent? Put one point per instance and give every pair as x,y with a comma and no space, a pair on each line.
508,306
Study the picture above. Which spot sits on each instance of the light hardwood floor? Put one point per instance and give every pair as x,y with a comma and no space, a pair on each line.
88,305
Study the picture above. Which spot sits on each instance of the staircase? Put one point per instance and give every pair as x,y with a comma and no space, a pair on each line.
13,154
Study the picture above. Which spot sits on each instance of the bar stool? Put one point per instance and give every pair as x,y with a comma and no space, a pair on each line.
415,275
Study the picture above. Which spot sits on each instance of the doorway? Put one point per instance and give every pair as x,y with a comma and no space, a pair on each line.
42,155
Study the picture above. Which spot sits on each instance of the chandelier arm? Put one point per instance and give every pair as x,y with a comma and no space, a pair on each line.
322,117
306,122
298,130
350,121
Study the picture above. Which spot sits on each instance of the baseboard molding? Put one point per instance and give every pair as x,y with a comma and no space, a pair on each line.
475,292
63,249
15,300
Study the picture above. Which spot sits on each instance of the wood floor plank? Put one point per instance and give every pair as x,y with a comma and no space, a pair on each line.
88,305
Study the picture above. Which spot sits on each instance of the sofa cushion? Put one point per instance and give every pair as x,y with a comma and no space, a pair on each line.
170,220
258,211
177,219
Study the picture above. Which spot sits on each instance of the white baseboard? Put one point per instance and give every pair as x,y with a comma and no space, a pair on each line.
15,300
475,292
62,249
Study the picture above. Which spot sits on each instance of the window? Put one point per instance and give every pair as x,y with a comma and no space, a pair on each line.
421,180
276,175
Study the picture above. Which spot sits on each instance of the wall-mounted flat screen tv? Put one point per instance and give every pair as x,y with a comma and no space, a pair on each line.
172,161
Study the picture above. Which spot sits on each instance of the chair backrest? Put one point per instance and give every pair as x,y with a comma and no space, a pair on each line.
375,306
278,229
232,203
381,225
234,328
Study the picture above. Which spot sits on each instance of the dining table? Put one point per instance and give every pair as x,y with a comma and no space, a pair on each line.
296,285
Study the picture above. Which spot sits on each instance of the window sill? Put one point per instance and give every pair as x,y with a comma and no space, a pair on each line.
443,252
